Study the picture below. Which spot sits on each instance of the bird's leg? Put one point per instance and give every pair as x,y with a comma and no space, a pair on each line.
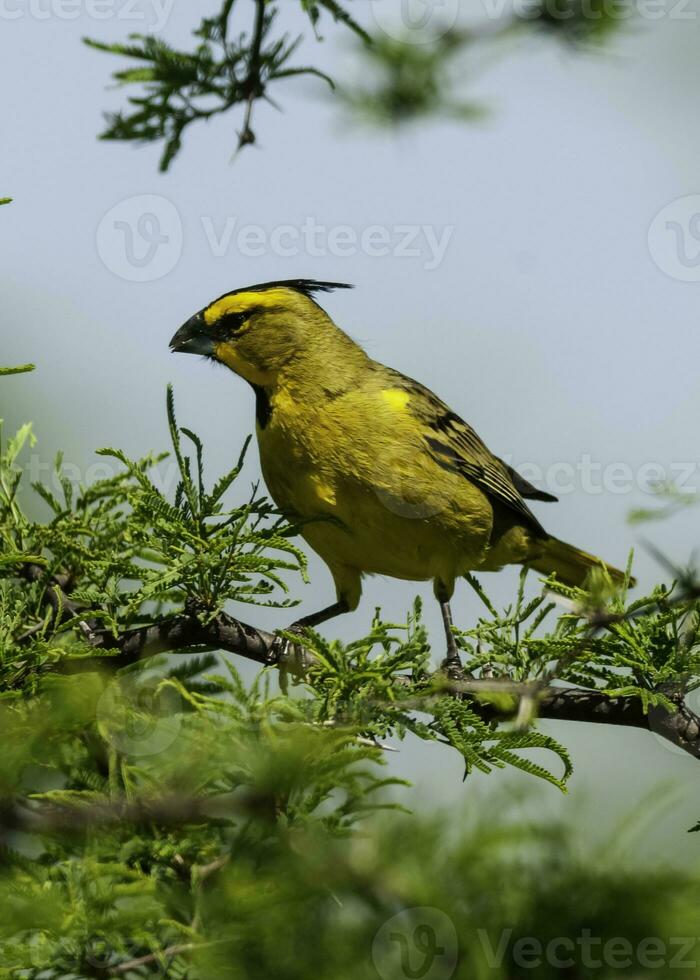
283,647
452,660
452,665
322,616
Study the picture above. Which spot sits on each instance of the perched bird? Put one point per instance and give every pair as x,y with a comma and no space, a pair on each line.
382,476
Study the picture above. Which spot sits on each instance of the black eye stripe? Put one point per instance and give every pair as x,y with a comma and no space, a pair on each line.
230,323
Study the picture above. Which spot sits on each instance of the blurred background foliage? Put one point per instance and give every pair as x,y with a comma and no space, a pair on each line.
166,818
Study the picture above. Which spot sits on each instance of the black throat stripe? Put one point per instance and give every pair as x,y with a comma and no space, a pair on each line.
263,408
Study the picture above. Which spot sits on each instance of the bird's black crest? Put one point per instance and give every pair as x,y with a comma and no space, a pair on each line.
307,287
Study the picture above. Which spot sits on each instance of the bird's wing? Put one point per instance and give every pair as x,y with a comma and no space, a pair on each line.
525,488
455,446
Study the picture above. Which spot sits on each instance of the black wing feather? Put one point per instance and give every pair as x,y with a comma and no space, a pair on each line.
455,446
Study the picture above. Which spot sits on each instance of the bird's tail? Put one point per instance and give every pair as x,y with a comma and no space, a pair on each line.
572,565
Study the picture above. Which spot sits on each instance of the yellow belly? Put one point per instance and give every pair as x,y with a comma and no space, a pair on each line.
374,517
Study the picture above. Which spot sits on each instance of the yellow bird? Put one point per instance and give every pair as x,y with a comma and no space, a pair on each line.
383,477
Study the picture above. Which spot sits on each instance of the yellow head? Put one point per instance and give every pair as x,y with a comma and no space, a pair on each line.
261,331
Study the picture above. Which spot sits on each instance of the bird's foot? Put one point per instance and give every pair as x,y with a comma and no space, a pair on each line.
288,655
452,666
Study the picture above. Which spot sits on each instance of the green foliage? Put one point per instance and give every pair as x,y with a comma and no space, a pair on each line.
649,649
125,556
409,81
412,73
671,500
170,816
20,369
356,684
182,87
268,896
126,553
580,22
265,778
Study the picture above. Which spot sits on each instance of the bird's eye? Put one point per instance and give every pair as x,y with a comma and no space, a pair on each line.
230,323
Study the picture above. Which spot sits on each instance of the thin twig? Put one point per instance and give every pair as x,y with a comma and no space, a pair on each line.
253,83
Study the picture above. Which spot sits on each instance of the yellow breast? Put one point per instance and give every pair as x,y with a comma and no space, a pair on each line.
372,505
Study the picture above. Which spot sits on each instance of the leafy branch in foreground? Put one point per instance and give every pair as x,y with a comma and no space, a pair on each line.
182,87
158,813
118,553
123,571
413,71
266,897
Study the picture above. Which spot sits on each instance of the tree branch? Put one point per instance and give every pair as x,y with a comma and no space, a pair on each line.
170,811
187,633
55,595
252,82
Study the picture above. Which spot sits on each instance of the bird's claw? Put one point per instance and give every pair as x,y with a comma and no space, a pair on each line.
454,671
283,649
288,656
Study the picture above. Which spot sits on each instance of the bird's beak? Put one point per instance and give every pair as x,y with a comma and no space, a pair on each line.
192,338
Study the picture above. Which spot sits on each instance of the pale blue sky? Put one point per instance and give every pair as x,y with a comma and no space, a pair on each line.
547,324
